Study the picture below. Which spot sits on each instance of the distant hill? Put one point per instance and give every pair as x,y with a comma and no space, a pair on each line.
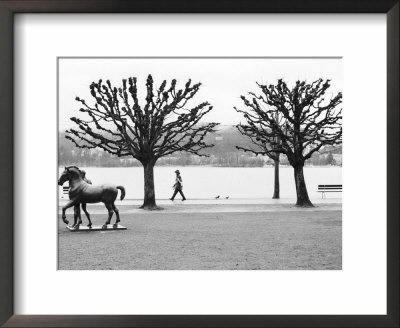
224,153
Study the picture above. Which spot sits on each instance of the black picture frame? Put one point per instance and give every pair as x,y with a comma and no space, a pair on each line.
10,7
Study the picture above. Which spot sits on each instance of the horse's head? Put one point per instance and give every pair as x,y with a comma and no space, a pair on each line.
70,172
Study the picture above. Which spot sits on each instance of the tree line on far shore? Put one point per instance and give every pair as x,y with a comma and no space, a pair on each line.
223,154
280,121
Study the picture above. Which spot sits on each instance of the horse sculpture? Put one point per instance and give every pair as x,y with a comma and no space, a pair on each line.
82,192
77,210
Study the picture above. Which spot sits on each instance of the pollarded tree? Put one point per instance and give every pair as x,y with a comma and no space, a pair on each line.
307,122
260,146
163,125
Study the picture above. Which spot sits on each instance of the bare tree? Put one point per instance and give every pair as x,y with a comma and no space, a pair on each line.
260,146
307,122
164,125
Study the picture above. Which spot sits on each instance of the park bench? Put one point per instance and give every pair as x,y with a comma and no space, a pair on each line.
65,191
329,188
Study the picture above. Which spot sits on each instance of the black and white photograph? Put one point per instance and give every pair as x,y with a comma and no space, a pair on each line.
200,163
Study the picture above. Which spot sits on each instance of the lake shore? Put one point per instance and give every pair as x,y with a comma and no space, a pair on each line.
178,206
204,184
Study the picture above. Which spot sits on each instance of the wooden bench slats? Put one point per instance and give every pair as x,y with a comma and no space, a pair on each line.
65,191
329,188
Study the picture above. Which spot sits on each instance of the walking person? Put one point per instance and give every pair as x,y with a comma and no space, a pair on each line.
178,186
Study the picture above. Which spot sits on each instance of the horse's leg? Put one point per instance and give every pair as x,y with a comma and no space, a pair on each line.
87,214
64,208
110,214
78,210
77,216
116,214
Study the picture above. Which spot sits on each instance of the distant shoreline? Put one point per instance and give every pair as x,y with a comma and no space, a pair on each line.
208,166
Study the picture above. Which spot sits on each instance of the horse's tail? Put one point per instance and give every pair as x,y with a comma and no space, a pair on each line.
122,191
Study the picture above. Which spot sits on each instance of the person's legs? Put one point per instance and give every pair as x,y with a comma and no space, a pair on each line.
175,192
183,196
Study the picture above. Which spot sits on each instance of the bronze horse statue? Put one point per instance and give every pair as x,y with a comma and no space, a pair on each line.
82,192
77,210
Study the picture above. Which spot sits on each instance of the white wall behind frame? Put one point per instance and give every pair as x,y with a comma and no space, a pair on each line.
360,288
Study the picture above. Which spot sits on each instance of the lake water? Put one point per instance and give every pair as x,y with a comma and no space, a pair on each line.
200,182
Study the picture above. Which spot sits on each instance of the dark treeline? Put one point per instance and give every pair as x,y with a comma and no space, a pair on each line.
224,153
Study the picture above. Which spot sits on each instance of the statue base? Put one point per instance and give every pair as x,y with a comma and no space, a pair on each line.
110,227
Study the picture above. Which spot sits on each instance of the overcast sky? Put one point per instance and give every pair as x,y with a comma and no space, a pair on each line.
223,79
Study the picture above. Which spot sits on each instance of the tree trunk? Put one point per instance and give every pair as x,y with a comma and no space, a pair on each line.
276,180
149,202
301,189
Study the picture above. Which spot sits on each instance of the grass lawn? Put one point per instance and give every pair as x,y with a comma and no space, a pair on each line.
285,239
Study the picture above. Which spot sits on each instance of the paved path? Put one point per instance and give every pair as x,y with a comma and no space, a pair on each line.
223,201
187,207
